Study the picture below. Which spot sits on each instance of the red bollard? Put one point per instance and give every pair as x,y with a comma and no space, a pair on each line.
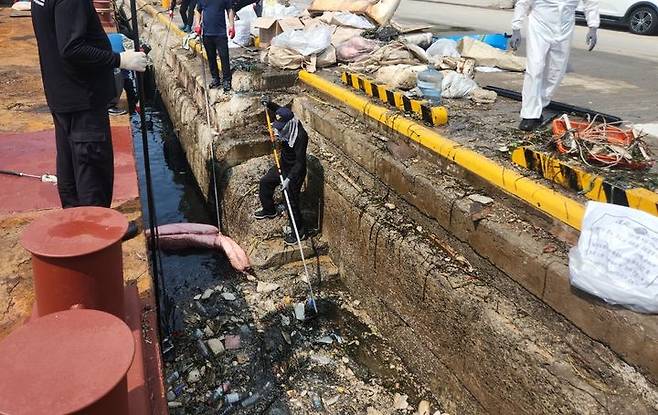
77,259
70,362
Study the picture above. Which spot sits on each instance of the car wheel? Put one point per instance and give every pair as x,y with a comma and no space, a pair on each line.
643,21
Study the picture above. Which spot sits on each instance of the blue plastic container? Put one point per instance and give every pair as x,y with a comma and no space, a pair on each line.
497,40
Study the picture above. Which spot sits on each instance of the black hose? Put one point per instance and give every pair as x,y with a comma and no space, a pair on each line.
153,236
556,106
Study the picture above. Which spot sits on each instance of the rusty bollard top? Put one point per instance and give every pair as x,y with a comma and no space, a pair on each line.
74,232
63,362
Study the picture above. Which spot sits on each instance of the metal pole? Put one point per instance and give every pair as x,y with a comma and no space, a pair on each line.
147,171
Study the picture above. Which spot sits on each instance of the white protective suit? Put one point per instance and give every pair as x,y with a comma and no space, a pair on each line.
550,28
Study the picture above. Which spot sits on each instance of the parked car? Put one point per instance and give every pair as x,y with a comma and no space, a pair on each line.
640,16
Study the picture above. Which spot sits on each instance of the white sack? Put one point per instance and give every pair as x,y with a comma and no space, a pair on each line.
443,47
616,258
456,85
306,42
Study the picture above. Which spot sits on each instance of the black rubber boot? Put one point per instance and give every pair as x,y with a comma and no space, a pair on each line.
530,124
215,84
291,239
131,232
261,214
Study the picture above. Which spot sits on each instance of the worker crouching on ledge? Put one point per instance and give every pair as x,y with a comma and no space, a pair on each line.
550,29
292,140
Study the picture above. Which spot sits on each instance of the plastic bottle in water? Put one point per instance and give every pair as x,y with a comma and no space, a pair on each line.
430,83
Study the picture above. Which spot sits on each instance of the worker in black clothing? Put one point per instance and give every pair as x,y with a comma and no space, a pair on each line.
77,67
293,140
186,10
213,28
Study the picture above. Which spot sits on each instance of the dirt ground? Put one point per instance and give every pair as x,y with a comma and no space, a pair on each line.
22,102
23,109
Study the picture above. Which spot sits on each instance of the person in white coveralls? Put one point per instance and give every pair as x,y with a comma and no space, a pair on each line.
550,28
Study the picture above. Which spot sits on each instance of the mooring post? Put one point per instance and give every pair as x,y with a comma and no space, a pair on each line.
77,260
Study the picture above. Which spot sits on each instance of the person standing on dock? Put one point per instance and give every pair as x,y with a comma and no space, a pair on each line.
293,139
186,10
550,29
77,67
213,28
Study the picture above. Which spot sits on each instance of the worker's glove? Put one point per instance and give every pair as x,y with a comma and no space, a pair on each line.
515,41
591,38
231,32
264,100
170,13
197,30
133,61
285,183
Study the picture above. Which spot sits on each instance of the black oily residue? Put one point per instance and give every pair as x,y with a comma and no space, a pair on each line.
177,199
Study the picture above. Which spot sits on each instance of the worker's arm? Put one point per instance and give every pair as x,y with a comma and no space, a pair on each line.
592,13
272,107
231,23
521,11
300,154
72,17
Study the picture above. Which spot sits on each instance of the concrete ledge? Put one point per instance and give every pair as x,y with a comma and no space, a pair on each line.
489,345
515,248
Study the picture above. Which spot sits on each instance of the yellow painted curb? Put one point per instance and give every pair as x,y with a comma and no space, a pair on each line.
549,201
593,186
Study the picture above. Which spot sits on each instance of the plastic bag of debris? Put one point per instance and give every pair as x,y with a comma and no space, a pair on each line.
282,58
456,85
399,76
487,55
443,47
306,42
616,258
355,49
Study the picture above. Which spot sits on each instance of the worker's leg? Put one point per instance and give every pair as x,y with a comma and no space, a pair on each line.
222,47
93,157
190,12
556,67
537,53
210,44
68,194
184,5
294,190
268,184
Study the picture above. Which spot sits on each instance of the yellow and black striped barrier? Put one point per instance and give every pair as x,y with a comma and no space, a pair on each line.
593,186
431,115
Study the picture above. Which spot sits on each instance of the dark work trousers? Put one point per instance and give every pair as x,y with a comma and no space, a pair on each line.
85,159
213,45
187,11
268,184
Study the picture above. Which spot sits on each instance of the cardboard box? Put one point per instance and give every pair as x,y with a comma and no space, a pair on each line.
269,27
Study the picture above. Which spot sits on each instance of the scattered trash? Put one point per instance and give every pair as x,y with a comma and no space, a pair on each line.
232,342
173,377
325,340
266,287
389,206
228,296
423,408
601,143
194,376
300,311
400,402
305,42
232,398
351,20
321,360
355,49
316,401
242,358
216,346
372,411
483,96
616,257
487,55
443,47
483,200
202,348
206,294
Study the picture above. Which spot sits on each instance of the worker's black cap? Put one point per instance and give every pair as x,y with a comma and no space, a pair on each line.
283,115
